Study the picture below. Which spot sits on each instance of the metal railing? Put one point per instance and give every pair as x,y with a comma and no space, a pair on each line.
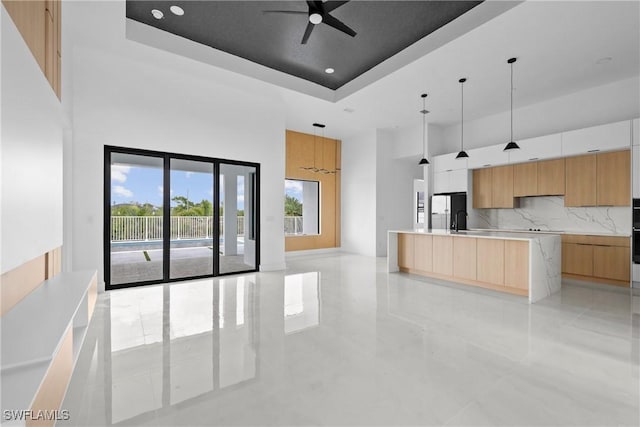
293,225
147,228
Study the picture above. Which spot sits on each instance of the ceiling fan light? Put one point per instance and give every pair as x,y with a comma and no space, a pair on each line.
462,155
315,18
423,161
511,146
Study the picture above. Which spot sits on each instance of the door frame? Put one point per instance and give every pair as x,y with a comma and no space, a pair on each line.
166,213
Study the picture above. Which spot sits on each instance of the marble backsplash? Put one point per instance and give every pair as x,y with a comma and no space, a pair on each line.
549,213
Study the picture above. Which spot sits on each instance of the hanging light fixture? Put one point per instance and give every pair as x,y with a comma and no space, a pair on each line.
462,154
424,112
512,145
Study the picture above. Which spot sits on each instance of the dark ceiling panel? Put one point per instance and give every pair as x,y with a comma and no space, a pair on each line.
383,28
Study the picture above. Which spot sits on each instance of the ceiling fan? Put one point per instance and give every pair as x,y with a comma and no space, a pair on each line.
318,13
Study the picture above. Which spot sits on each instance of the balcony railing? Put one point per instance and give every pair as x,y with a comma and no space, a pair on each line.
149,228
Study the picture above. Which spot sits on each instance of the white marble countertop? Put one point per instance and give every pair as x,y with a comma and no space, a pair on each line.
580,233
487,234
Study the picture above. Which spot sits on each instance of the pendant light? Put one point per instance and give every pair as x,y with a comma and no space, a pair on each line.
424,112
512,144
462,154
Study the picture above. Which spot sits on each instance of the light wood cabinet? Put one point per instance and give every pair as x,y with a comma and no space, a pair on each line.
482,188
551,177
502,187
577,258
525,179
406,250
611,262
443,255
464,258
580,173
423,252
613,174
516,264
490,261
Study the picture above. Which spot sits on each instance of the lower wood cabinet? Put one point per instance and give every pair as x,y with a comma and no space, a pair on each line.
490,261
597,258
406,250
465,258
516,264
611,262
423,250
443,255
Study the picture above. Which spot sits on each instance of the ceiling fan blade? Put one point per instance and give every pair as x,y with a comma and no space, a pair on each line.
333,5
307,32
314,5
288,12
338,25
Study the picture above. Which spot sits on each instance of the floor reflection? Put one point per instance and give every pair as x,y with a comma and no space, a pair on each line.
301,301
173,343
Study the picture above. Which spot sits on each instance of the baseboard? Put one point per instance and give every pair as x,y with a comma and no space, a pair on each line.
273,267
307,252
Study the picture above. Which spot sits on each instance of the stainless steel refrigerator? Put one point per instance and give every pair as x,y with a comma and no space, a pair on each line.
444,208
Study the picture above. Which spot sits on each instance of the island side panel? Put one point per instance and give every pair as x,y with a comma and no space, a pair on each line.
545,267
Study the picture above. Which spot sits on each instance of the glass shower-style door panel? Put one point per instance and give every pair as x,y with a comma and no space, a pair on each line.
135,222
192,226
238,210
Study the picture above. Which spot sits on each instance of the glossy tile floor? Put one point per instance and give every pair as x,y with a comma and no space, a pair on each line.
336,340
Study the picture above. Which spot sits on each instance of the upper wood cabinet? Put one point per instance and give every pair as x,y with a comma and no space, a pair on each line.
539,148
613,175
525,179
609,137
502,187
551,177
580,181
482,188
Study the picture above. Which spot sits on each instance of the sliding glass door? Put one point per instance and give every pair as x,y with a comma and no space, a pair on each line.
171,217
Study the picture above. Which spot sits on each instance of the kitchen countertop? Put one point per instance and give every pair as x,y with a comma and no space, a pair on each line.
580,233
487,234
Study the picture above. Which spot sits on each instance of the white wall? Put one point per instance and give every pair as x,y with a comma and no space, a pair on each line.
394,189
156,103
31,155
598,105
359,193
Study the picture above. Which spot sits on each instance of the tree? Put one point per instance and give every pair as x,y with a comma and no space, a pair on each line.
292,206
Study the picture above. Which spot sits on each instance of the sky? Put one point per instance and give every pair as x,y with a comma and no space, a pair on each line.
144,185
293,188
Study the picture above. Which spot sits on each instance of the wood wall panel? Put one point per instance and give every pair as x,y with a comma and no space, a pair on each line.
301,151
20,282
29,18
54,385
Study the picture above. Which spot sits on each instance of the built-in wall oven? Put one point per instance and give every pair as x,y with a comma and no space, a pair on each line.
636,231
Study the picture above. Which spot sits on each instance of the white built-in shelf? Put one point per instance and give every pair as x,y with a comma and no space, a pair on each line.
33,331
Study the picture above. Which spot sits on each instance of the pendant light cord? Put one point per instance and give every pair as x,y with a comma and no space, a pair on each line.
462,120
512,101
423,126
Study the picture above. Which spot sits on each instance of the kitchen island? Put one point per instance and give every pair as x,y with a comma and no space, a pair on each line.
527,264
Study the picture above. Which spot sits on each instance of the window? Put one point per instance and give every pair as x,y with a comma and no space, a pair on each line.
301,207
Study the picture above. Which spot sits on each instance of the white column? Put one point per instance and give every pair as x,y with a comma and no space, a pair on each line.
230,214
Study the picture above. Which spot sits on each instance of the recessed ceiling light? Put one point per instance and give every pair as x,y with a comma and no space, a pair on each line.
157,14
329,70
349,110
177,10
604,60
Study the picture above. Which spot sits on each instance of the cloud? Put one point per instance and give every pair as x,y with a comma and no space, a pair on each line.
119,190
188,174
160,190
290,185
119,173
